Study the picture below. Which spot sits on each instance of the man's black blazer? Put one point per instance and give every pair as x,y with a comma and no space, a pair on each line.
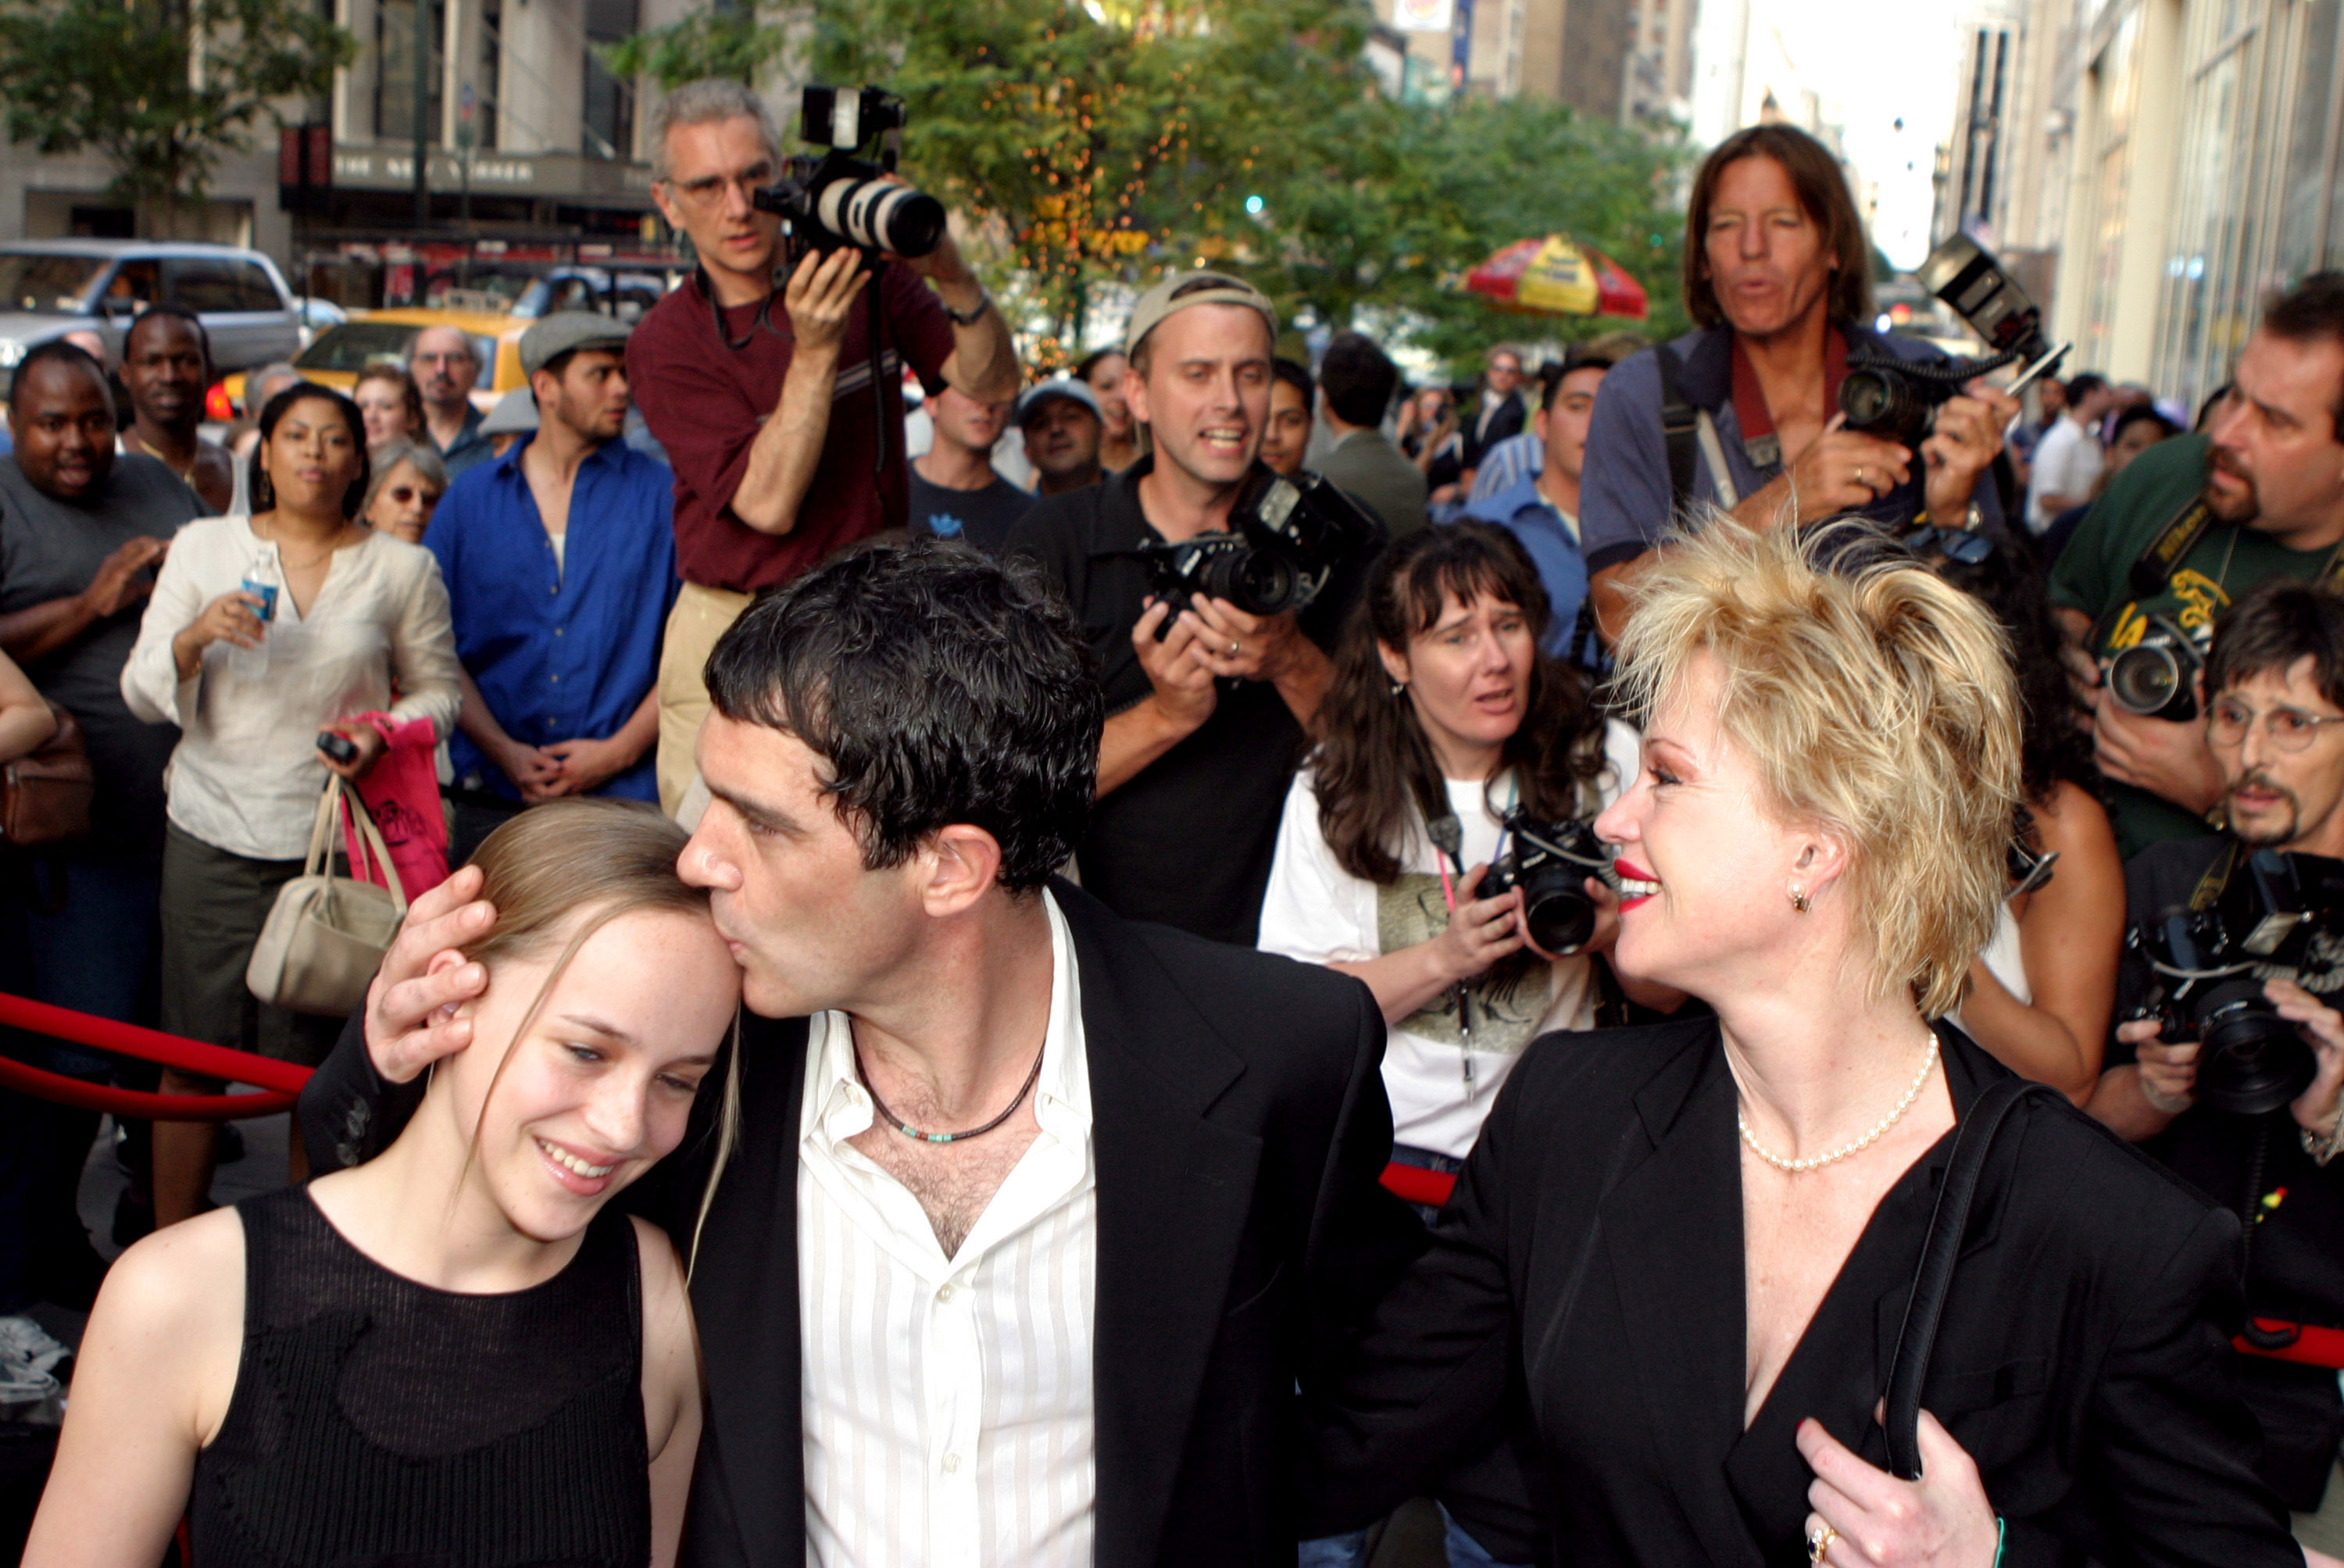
1591,1264
1239,1129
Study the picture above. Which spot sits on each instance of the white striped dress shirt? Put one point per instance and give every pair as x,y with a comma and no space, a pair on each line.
947,1401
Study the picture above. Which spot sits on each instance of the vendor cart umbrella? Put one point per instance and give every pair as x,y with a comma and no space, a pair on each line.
1556,276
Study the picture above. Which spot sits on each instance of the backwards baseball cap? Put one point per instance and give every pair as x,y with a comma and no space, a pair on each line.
1063,390
566,332
1182,289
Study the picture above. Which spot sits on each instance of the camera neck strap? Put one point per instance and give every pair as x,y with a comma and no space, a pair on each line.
2171,546
2173,543
2217,880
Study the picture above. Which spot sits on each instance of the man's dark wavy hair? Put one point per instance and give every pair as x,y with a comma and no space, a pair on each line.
2273,629
938,686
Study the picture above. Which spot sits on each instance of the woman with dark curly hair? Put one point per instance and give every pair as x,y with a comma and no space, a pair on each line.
1441,718
2042,994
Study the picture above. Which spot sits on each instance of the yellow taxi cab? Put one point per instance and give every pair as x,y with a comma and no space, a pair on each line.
340,352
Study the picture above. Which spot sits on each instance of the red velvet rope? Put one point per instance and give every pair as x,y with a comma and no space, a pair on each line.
280,1082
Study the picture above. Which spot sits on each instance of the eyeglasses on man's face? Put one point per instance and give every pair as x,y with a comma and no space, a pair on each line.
2286,729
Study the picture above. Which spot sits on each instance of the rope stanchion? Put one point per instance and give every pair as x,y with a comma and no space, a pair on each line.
280,1082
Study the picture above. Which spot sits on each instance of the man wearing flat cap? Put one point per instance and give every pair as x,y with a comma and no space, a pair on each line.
1207,709
560,559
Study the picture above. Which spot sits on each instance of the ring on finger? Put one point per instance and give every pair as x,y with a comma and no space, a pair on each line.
1820,1536
1233,647
1867,484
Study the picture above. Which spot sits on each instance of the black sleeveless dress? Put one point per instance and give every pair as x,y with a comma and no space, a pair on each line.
381,1424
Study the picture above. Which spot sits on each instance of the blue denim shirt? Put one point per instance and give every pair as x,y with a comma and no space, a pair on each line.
561,652
1532,518
1624,503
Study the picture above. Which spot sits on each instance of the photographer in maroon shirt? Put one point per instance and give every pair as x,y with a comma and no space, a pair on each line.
759,385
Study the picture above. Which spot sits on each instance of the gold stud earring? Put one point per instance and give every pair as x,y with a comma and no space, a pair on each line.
1799,898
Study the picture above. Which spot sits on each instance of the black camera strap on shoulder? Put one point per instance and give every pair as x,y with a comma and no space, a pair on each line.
2217,880
1941,1248
1679,427
2171,546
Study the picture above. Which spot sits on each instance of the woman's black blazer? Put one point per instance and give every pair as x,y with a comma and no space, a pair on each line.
1591,1266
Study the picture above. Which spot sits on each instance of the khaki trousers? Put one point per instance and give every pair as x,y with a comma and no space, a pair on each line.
699,619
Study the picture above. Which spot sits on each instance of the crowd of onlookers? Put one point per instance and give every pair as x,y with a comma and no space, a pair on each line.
518,603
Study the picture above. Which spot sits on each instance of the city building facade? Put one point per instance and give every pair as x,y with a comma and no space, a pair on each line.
2170,161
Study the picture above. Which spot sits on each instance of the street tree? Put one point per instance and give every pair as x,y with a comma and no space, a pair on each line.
163,88
1102,142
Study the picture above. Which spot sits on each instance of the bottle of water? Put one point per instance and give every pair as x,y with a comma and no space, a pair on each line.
263,581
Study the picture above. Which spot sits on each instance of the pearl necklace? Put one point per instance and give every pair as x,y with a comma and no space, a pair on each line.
1794,1167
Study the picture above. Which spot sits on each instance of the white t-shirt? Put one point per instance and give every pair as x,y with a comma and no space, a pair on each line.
1321,914
2067,459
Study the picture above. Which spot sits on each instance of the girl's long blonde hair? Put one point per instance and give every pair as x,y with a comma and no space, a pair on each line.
605,858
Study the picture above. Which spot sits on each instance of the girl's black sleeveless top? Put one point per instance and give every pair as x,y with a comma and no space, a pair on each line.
381,1424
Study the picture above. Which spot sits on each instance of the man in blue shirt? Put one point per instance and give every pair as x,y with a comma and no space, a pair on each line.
560,559
1541,508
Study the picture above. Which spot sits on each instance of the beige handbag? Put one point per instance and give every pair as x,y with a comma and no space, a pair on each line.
327,935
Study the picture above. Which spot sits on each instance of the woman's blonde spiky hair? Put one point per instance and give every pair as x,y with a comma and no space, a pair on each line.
1875,700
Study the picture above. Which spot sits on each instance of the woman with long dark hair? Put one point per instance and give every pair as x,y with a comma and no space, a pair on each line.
2043,993
1441,719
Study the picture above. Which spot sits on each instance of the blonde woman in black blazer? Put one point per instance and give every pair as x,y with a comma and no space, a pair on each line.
1684,1253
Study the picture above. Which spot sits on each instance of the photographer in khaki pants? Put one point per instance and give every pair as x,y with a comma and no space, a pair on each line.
760,388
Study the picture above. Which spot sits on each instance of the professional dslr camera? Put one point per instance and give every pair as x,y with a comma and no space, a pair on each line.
2156,677
1285,538
1898,401
1550,862
839,199
2250,1060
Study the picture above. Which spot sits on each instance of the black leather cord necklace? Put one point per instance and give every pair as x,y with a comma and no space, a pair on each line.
908,1130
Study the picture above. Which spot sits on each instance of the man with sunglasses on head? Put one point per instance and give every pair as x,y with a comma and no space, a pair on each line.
2274,689
757,378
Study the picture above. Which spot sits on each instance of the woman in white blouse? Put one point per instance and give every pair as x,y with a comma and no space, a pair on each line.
1442,710
263,633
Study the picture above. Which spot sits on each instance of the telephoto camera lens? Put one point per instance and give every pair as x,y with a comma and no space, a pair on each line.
880,215
2250,1060
2150,679
1880,402
1256,581
1560,916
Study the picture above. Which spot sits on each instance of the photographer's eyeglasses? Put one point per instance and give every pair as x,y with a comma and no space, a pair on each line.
2286,729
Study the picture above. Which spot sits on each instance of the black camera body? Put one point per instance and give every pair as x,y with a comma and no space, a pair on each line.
1898,399
1285,538
838,198
2156,677
1550,862
2250,1060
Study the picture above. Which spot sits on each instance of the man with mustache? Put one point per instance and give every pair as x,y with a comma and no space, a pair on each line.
2191,526
2275,706
446,370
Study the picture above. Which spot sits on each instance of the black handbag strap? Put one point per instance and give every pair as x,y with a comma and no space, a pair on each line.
1908,1368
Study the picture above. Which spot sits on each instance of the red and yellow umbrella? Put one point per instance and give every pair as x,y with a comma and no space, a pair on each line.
1556,276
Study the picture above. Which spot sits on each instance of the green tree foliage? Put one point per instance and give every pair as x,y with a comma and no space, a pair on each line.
163,88
1104,141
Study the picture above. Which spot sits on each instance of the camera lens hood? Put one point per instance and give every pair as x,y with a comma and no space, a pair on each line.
2250,1061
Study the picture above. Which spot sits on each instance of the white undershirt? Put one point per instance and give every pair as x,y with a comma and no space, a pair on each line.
947,1402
